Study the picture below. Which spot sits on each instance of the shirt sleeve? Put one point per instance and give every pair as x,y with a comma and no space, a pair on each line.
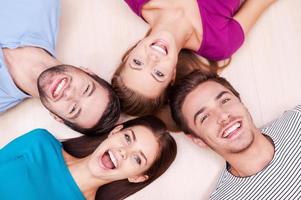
136,6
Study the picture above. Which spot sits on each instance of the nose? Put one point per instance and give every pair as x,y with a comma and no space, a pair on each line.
123,153
153,56
69,93
223,117
152,59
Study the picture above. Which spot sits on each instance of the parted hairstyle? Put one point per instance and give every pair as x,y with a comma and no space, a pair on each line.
184,86
83,146
110,115
134,103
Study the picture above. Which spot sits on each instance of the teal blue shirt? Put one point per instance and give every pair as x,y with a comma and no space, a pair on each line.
32,167
25,23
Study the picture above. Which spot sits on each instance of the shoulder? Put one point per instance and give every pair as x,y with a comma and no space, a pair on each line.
293,114
287,125
297,109
42,135
37,136
32,141
38,133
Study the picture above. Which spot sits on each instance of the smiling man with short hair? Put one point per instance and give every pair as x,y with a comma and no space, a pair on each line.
28,68
261,163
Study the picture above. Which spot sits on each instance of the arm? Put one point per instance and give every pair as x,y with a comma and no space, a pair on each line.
250,12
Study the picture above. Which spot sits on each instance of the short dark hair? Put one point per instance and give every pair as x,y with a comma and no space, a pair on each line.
186,85
109,117
83,146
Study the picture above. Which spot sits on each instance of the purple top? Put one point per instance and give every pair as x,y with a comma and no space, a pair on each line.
222,35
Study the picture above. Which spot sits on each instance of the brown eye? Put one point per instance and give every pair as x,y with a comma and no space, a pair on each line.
137,159
159,74
137,62
127,138
225,100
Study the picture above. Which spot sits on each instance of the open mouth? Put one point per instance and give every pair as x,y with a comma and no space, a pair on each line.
232,130
57,88
160,46
108,160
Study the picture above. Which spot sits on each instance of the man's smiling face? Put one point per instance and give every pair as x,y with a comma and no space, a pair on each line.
219,118
73,95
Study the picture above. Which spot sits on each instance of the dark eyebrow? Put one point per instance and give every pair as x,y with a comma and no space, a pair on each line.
134,140
221,94
197,114
93,88
202,109
142,154
133,135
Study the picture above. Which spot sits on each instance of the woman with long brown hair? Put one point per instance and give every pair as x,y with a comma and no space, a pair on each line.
113,166
213,29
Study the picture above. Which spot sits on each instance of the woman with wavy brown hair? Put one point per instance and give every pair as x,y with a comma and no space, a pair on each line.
112,166
212,29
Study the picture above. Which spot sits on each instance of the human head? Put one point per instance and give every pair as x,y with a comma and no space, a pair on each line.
208,107
79,98
166,152
137,95
186,85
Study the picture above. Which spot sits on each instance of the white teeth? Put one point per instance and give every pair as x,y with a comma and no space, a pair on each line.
231,129
113,159
159,49
59,87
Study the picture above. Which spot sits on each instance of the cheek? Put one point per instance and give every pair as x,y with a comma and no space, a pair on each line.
94,167
210,124
209,129
58,108
130,168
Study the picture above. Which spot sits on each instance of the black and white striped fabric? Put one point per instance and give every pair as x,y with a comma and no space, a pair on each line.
281,179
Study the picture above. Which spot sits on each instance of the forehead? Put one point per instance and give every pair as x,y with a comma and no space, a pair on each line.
142,81
201,96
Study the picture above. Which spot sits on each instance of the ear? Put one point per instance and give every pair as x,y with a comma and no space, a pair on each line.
197,141
115,130
138,179
57,118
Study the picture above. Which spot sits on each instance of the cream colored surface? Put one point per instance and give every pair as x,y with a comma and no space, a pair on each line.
266,71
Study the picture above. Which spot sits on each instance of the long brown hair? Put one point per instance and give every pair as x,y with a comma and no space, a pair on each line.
134,103
84,146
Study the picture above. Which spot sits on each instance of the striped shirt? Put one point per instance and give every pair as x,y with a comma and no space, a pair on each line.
281,179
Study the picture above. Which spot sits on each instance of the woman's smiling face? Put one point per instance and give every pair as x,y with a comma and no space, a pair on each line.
151,65
126,153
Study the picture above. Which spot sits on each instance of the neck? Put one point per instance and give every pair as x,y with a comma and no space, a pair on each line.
163,17
253,159
25,64
80,172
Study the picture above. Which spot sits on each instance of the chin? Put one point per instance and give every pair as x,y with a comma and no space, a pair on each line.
239,148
